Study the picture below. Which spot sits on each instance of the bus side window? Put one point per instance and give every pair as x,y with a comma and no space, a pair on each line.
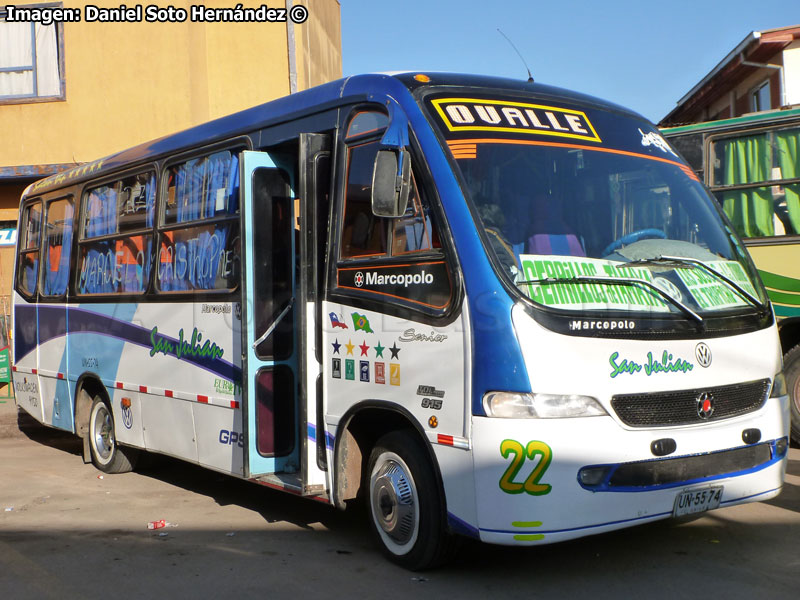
377,253
115,247
363,234
768,158
199,230
58,245
28,267
414,232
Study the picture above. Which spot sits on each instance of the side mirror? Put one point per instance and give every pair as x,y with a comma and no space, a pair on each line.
391,183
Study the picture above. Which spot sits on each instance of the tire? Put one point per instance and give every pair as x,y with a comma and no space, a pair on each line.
107,455
405,504
791,369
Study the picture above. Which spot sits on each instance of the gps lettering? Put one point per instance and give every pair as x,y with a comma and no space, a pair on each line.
231,438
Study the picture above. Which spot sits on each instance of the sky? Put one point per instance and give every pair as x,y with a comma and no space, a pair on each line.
643,54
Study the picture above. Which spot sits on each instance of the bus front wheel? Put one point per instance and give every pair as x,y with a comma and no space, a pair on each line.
406,507
107,455
791,369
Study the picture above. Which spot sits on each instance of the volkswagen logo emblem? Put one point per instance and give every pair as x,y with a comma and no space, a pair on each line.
703,354
705,405
665,285
359,279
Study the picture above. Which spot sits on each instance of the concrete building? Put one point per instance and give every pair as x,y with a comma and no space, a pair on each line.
761,73
74,91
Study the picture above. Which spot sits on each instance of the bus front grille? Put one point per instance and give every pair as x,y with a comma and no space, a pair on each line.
687,407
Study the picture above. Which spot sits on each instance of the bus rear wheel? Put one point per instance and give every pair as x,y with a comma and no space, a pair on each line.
406,507
107,455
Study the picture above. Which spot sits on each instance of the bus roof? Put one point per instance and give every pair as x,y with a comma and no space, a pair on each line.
768,116
313,100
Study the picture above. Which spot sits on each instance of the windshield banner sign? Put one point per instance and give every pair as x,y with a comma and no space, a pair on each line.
710,292
588,295
471,114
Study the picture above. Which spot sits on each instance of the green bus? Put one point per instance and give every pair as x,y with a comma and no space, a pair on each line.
752,166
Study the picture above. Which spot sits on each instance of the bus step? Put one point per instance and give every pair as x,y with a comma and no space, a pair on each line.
292,483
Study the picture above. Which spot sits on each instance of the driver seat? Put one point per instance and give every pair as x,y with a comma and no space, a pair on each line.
560,244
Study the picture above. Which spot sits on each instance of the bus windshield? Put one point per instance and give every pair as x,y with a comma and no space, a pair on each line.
597,199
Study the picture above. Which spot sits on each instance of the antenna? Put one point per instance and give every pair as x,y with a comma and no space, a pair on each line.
530,77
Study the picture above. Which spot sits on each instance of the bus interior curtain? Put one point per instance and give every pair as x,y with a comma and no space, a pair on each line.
150,200
205,188
748,160
57,276
788,146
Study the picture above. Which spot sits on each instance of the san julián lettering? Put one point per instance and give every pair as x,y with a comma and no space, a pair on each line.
180,348
667,364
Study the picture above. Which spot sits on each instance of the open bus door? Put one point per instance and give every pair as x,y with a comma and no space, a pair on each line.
282,277
270,314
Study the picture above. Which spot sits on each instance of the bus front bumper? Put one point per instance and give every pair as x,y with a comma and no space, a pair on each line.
543,481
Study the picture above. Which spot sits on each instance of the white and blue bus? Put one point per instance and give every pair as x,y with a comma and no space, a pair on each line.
491,308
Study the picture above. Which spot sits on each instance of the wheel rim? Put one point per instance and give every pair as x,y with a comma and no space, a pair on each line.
394,503
102,433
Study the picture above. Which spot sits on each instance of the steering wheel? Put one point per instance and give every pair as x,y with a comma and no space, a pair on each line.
632,237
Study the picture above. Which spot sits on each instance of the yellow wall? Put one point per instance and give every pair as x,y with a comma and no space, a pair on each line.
318,45
127,83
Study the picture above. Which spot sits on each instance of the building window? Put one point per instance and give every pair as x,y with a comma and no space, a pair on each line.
31,58
761,99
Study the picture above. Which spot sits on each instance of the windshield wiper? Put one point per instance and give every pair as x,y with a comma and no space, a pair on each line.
621,281
686,262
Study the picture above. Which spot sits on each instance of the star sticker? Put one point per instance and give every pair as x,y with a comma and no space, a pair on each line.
336,345
379,350
394,350
349,347
364,348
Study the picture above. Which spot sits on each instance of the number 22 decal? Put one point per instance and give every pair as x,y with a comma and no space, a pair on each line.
532,484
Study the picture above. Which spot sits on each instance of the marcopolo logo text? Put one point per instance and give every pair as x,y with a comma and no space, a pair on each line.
403,279
606,325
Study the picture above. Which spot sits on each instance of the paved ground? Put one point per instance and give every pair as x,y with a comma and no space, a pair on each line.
70,534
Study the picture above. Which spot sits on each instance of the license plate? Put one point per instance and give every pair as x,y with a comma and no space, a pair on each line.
698,500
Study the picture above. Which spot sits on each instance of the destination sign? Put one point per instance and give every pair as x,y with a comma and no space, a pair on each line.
471,114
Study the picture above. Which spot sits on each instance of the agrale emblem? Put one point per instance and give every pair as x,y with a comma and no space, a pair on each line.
705,405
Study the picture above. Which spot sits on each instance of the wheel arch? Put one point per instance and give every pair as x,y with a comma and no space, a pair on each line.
87,387
789,332
359,430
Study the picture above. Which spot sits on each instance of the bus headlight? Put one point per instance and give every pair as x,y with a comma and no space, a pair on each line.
515,405
778,386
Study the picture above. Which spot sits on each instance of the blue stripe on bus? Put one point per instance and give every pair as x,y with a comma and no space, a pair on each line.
52,324
312,435
462,527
